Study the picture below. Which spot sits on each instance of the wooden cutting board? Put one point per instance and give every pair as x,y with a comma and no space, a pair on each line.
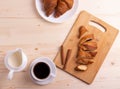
105,41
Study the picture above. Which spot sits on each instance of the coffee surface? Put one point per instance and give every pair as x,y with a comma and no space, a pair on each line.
41,70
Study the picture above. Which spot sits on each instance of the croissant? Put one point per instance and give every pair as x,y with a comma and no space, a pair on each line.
86,38
85,61
89,46
62,7
82,31
84,54
49,6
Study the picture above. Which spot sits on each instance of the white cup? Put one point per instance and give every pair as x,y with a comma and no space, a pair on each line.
15,61
40,64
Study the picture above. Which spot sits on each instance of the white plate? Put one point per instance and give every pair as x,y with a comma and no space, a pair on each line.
51,18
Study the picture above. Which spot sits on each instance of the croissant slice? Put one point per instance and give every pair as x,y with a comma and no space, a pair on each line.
49,6
82,61
62,7
93,53
85,61
89,46
84,54
86,38
81,68
82,31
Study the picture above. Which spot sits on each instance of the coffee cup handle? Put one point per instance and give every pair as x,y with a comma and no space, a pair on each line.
52,75
10,74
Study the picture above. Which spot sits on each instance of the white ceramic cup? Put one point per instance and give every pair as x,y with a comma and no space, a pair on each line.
52,71
15,61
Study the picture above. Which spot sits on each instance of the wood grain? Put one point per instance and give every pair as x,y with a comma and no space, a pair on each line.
105,41
19,19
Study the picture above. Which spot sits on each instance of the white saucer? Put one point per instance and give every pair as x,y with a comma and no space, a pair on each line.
51,18
53,67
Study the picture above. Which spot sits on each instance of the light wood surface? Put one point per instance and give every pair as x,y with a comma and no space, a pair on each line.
71,42
20,17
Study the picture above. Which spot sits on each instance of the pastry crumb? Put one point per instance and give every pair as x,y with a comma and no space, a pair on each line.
112,63
36,48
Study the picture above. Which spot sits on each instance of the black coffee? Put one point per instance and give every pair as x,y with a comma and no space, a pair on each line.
41,70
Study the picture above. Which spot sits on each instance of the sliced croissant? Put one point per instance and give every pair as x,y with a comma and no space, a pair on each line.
84,54
81,68
85,61
82,61
82,30
86,38
93,53
89,46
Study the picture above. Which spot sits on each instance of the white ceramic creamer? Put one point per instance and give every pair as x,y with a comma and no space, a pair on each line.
15,61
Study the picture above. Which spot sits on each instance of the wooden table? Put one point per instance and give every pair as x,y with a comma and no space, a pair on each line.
20,17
